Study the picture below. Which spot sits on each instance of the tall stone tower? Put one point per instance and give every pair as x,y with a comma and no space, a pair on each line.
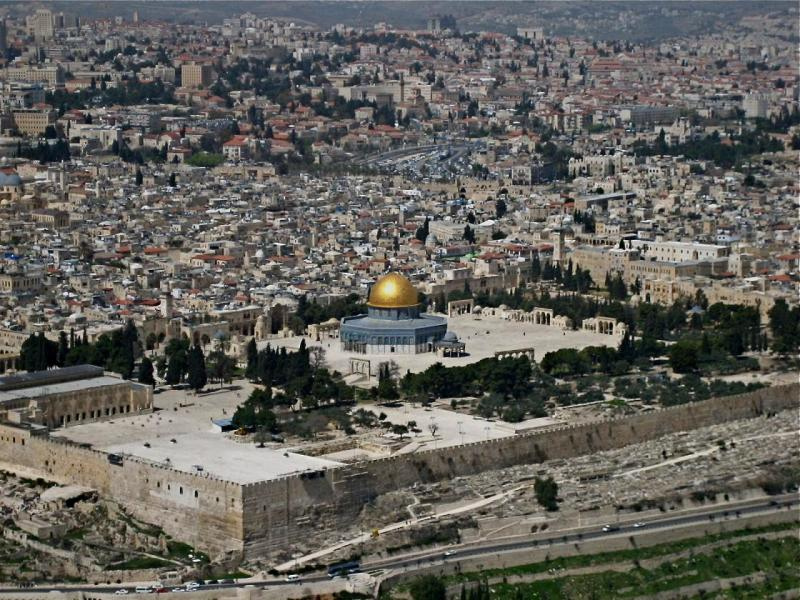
558,246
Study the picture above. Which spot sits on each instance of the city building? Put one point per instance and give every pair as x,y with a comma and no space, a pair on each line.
196,75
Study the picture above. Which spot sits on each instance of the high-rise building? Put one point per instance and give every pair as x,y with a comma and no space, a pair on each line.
41,25
755,106
534,34
136,16
195,75
3,36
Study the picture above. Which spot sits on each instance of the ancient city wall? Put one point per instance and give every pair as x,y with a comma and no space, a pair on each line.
280,512
195,508
220,516
570,440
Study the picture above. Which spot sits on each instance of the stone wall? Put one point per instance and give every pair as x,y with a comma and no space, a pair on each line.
195,508
571,440
295,508
221,517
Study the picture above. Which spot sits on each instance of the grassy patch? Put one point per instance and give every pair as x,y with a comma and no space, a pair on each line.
75,534
569,562
181,551
777,557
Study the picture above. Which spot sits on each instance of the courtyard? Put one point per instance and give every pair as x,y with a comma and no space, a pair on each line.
483,337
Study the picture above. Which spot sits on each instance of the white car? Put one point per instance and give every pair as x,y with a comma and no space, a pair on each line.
121,592
638,524
191,585
293,578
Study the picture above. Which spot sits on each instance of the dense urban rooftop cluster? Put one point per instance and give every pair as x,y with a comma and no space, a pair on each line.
158,173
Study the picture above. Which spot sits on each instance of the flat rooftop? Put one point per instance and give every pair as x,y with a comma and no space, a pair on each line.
40,391
221,457
50,376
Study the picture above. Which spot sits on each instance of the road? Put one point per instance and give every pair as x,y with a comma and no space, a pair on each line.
738,512
732,511
457,149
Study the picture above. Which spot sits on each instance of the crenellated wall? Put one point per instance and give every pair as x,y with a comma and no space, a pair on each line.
220,516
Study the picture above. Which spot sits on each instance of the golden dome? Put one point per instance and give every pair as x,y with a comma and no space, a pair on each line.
393,291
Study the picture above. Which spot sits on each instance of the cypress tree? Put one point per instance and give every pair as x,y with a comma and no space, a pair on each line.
196,369
146,372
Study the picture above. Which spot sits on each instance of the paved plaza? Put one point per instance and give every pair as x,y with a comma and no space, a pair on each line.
452,428
186,417
483,336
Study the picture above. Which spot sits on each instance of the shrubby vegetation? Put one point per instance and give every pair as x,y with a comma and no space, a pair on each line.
302,383
205,159
713,147
115,352
309,313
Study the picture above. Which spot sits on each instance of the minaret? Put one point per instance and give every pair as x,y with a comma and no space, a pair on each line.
558,246
166,306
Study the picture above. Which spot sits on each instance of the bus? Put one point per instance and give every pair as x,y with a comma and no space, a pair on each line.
343,568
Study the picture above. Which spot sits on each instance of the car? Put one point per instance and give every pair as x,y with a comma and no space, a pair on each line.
191,585
293,578
449,553
638,524
143,589
178,589
608,528
121,592
161,590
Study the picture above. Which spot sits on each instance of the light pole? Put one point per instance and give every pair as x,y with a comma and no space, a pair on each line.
461,432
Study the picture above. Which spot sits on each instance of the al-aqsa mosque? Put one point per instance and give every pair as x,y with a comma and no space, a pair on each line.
393,323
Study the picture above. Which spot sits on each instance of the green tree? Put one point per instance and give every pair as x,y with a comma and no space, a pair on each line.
146,372
428,587
220,366
387,388
546,491
785,326
196,368
63,349
423,231
139,177
38,353
500,208
469,234
683,356
176,367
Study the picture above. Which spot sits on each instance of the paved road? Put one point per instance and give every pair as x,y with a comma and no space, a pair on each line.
729,512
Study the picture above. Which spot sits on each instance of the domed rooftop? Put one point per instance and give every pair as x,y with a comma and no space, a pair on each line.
12,180
393,291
